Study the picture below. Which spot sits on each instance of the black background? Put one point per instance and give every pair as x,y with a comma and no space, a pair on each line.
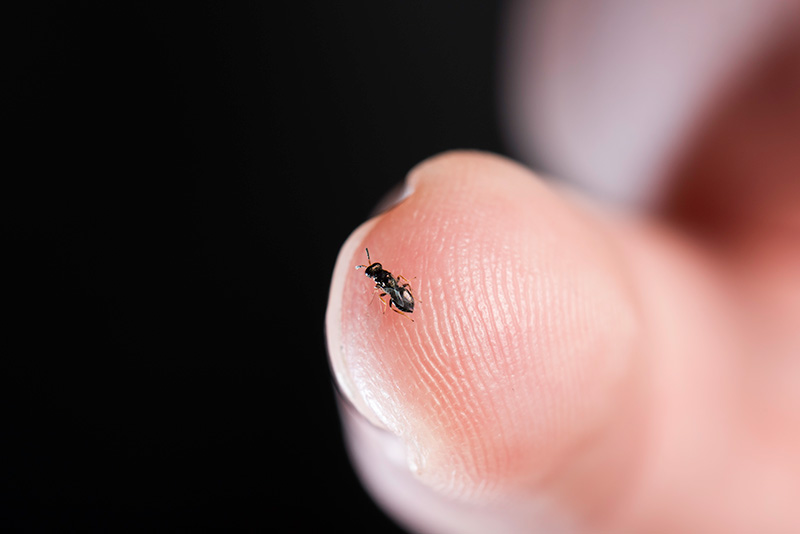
176,190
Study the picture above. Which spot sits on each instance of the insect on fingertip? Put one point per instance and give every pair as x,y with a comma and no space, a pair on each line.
401,300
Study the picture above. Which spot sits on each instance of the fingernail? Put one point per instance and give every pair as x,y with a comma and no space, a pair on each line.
393,197
342,375
333,324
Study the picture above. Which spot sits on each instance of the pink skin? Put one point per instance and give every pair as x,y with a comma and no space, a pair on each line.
574,369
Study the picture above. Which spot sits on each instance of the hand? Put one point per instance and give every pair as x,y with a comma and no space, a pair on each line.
571,368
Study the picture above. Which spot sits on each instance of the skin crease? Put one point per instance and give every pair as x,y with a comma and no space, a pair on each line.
634,374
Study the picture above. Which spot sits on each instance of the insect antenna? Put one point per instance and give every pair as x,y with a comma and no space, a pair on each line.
369,261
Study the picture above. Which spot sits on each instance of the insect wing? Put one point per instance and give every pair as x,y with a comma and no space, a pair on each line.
404,300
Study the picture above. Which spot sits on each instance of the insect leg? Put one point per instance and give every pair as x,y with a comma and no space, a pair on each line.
385,304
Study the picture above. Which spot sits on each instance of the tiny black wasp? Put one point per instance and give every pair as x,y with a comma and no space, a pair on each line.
400,298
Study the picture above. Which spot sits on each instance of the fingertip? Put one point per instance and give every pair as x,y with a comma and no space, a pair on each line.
520,332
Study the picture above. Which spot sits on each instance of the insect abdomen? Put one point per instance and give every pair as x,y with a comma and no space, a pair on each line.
403,300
